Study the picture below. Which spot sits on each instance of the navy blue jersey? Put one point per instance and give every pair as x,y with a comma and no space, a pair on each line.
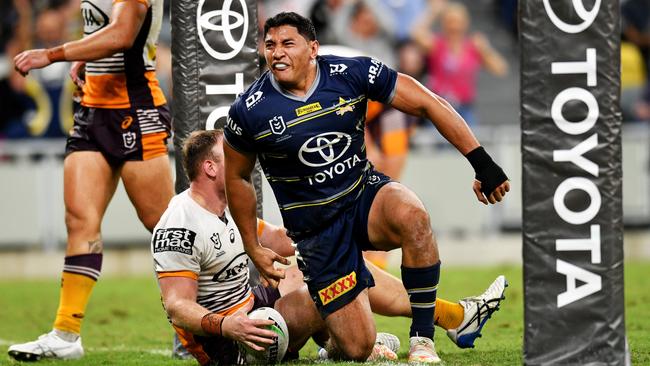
312,148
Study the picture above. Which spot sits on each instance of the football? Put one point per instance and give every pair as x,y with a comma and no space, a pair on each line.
274,353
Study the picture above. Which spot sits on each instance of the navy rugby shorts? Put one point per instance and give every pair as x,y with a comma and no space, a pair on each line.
331,260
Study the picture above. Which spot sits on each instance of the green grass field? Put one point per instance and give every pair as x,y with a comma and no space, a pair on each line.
126,325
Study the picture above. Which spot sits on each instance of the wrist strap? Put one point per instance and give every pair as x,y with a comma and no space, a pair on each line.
56,54
211,324
479,158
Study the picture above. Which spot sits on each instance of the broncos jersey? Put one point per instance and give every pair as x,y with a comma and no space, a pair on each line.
125,79
312,148
189,241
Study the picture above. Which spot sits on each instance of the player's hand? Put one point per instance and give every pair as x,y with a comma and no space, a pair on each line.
495,196
264,260
77,73
251,332
32,59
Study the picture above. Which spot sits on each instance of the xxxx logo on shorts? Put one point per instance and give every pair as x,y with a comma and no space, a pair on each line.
338,288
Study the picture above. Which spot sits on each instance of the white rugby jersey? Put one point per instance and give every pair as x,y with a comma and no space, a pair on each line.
189,238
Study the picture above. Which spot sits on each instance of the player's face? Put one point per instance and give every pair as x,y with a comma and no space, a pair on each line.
219,169
288,55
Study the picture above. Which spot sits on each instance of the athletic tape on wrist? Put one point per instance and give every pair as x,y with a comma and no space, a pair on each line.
56,54
479,158
211,324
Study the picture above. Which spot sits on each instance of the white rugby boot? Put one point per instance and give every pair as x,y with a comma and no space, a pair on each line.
48,345
389,340
422,350
385,348
478,310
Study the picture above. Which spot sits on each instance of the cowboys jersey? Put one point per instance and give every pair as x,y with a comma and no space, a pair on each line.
191,241
312,148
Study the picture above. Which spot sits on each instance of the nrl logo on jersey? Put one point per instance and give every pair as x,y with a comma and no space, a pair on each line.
338,68
277,125
343,107
253,99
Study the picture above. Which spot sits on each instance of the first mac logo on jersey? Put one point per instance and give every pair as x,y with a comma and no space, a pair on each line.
174,240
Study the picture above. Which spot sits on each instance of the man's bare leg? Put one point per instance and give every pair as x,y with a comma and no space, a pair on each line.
149,186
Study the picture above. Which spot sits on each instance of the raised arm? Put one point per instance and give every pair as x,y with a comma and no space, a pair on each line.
413,98
179,298
242,203
126,20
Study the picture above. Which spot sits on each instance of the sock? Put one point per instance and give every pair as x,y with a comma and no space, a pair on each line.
80,273
421,285
448,315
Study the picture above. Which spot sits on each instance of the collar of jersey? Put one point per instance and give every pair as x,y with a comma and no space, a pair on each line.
310,92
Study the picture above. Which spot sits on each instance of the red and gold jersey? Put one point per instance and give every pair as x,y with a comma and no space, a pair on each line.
125,79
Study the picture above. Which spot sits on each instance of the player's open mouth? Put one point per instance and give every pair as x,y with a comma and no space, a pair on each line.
280,66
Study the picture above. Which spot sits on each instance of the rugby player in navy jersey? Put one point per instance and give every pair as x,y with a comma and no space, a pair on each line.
304,120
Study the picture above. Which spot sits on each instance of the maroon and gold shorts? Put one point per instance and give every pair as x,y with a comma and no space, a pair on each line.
132,134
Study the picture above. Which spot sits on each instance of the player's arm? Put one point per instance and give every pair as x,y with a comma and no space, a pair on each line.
242,202
179,297
275,238
127,17
413,98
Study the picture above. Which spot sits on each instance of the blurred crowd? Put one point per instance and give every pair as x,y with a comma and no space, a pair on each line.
434,41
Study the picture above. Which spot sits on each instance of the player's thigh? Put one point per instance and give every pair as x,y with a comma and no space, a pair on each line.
352,328
395,215
301,315
149,186
89,183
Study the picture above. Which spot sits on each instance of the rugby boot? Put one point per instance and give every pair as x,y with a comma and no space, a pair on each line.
422,351
49,345
478,310
389,340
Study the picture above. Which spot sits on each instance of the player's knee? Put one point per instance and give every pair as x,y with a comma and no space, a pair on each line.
78,222
414,222
358,349
149,219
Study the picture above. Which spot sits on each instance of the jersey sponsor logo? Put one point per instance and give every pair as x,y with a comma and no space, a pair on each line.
233,28
309,108
338,68
334,170
338,288
277,125
253,99
324,149
374,70
236,267
93,17
179,240
343,109
129,139
233,127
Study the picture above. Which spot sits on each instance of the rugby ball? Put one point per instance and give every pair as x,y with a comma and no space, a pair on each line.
275,352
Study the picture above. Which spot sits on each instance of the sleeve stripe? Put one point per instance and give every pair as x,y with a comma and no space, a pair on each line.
260,227
188,274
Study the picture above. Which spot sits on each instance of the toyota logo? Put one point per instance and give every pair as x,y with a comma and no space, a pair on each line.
229,21
587,16
324,149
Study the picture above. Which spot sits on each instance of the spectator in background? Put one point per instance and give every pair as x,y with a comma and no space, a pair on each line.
455,57
635,95
49,91
405,14
367,27
321,15
15,35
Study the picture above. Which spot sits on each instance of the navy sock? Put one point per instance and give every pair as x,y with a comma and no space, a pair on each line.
422,285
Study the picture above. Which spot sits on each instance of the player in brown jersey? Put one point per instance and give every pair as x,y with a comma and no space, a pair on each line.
120,131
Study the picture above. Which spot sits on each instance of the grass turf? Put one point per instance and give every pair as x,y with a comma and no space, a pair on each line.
126,324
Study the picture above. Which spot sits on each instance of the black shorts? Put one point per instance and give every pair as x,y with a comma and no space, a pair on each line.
132,134
221,350
332,261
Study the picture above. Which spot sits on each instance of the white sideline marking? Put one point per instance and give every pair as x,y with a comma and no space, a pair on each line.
153,351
